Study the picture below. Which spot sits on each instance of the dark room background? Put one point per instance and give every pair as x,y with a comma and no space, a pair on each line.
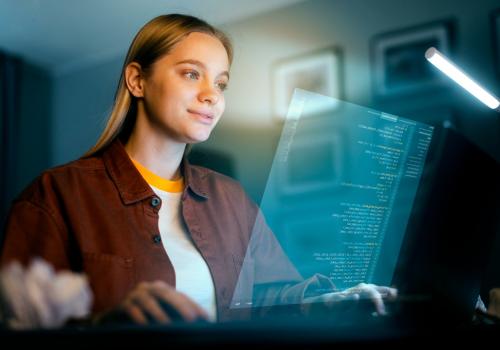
52,113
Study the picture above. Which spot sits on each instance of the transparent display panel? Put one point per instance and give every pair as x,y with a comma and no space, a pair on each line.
338,197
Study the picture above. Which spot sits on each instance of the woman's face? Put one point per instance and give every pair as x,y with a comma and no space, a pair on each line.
184,91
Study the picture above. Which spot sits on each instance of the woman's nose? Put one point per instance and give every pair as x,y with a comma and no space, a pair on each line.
208,94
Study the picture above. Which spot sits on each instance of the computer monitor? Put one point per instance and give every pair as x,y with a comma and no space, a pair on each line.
452,227
358,195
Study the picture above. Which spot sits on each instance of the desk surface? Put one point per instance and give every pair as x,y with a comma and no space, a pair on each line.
308,334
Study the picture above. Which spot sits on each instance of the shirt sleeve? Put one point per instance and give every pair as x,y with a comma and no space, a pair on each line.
268,277
33,231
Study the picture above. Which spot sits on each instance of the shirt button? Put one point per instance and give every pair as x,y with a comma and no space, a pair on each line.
155,201
157,239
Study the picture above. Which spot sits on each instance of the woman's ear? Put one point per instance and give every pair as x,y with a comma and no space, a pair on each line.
134,79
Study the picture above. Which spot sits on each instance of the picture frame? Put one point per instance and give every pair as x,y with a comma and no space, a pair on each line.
324,154
495,27
398,58
318,71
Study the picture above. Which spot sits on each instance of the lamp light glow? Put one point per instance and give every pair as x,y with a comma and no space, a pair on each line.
447,67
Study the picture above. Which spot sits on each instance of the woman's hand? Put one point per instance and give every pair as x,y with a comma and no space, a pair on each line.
375,294
158,302
494,304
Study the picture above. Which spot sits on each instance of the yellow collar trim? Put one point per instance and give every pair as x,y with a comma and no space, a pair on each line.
173,186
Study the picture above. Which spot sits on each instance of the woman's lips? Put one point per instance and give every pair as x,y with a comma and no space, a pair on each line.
204,117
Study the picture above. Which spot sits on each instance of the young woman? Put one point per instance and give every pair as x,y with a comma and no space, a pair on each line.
157,237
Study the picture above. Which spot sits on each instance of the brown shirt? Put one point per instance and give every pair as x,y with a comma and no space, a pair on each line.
97,215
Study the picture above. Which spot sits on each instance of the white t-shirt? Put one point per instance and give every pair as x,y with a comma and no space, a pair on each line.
192,276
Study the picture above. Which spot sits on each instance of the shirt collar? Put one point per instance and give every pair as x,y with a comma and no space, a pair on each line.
195,178
131,185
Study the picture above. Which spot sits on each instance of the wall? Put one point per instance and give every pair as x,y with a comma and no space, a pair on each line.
30,133
248,130
350,25
34,133
82,101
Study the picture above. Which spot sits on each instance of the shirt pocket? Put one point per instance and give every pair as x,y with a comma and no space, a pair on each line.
111,277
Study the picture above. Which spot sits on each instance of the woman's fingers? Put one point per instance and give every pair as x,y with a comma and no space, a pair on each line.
152,307
162,303
135,313
375,293
347,299
388,293
494,304
187,309
375,296
140,304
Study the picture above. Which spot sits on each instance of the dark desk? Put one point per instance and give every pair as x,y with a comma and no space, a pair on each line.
293,334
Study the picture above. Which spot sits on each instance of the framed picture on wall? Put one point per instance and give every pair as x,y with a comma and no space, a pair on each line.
495,24
398,58
318,71
323,155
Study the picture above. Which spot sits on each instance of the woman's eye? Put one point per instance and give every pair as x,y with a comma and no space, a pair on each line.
222,86
192,75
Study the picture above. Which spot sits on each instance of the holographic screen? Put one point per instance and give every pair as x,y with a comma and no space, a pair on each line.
337,201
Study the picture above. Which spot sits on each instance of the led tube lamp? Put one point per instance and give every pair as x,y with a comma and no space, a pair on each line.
447,67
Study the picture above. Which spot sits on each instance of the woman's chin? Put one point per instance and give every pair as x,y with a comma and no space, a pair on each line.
198,137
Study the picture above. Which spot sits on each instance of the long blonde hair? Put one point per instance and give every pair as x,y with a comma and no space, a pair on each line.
153,41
